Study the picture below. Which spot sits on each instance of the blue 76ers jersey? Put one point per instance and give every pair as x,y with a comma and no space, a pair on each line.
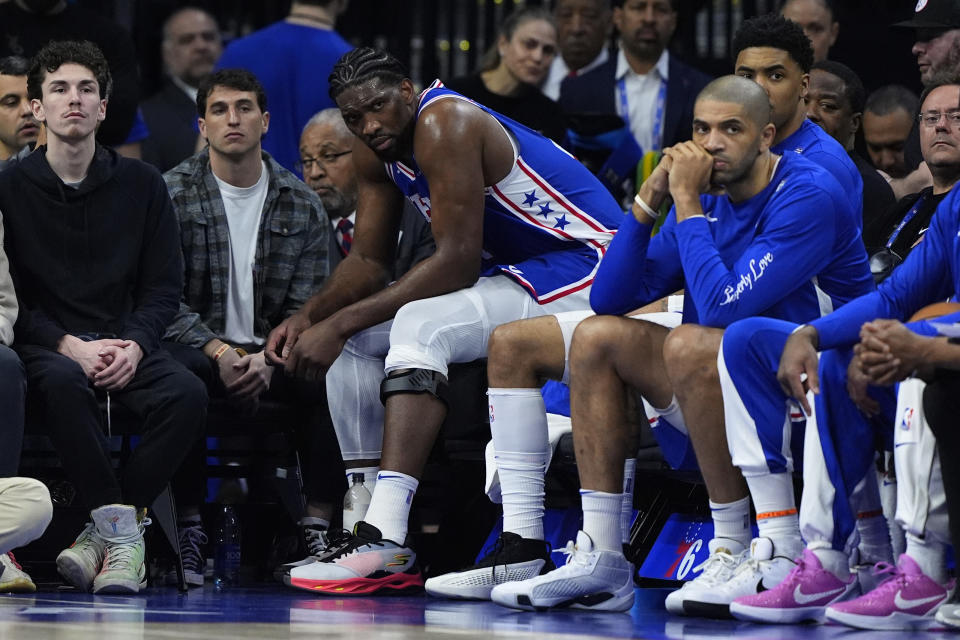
546,224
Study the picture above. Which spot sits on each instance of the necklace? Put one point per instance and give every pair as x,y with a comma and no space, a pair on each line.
309,17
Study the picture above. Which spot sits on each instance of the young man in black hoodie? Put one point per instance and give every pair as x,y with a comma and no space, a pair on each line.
94,254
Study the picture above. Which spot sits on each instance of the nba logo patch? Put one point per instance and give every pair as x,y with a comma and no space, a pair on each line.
491,413
921,5
907,420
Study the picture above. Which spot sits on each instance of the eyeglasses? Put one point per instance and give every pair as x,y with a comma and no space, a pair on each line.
327,159
931,119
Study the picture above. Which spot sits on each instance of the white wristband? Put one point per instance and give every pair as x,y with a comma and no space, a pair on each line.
646,208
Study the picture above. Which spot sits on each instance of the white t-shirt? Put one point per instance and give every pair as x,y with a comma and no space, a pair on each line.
244,208
643,92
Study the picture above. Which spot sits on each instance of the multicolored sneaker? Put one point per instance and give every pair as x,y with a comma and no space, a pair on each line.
82,561
591,579
512,559
764,569
13,579
803,595
907,599
363,564
725,556
121,528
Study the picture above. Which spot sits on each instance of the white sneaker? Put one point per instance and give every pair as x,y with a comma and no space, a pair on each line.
591,579
13,579
81,562
725,556
761,571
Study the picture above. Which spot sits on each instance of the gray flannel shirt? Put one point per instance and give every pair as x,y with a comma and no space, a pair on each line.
291,260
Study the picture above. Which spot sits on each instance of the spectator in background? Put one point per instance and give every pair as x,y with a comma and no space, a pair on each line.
25,508
888,117
834,101
513,70
27,25
650,91
819,22
93,250
191,46
254,241
936,24
583,31
292,58
19,128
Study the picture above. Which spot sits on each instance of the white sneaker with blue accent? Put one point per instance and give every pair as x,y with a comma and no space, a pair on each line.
592,579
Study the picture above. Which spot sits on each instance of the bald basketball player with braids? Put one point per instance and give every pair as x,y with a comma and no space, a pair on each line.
520,227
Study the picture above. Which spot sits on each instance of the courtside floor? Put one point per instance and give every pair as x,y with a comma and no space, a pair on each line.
270,611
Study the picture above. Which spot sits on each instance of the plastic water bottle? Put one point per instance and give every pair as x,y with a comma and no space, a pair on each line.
355,502
226,563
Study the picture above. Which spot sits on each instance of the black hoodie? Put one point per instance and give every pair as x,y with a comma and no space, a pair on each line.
103,257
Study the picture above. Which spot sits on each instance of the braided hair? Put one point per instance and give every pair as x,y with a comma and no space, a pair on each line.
362,65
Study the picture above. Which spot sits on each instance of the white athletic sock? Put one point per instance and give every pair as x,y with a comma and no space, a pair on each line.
887,481
369,476
601,518
836,562
777,516
390,505
626,506
731,520
930,555
518,425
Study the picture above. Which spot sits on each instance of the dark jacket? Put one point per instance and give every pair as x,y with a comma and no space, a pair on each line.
100,258
595,93
171,117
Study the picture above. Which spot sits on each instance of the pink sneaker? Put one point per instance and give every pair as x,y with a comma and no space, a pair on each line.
907,599
802,595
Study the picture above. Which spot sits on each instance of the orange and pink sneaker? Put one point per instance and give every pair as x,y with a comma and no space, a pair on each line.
363,564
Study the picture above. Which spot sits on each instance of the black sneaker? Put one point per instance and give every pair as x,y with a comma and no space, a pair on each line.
318,542
512,558
192,538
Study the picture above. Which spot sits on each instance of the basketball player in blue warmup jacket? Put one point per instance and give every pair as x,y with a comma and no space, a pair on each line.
506,206
756,249
767,362
836,497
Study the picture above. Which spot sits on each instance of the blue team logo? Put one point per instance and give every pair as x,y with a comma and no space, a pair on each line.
906,422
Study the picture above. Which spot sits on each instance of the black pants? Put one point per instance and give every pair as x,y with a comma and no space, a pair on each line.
323,470
13,390
941,405
169,400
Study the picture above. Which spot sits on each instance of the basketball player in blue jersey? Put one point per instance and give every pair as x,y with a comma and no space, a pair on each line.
774,52
781,225
520,227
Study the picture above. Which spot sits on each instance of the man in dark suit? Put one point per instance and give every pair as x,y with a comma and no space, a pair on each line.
191,46
649,89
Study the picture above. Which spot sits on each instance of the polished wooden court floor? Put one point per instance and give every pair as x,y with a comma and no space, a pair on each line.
268,611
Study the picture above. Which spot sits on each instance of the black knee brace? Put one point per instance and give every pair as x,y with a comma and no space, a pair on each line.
414,381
